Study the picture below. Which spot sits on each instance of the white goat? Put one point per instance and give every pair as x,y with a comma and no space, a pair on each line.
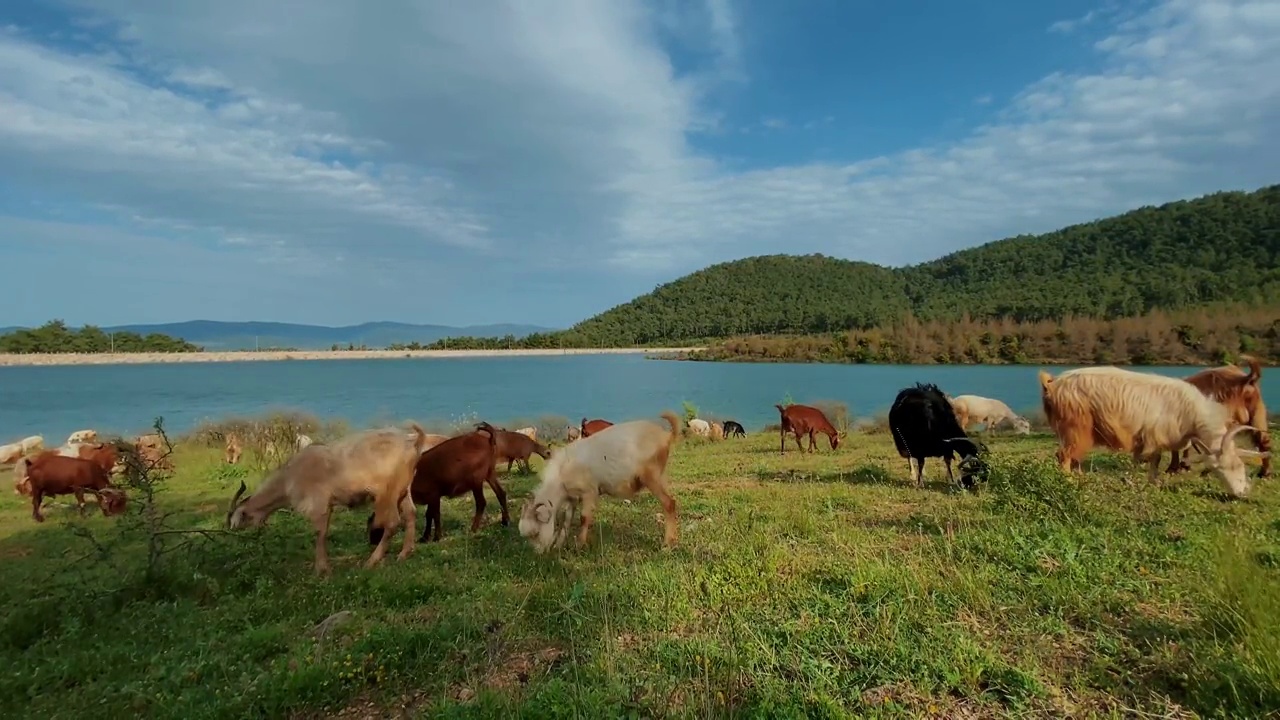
617,461
303,441
1142,414
34,443
82,436
529,432
375,465
700,427
978,410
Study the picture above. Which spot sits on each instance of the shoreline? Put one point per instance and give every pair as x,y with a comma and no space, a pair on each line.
150,358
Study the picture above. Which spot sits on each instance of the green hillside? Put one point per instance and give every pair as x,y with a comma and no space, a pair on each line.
1220,248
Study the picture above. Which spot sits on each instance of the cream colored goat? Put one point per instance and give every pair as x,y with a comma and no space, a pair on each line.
700,427
977,410
375,465
617,461
82,436
1142,414
529,432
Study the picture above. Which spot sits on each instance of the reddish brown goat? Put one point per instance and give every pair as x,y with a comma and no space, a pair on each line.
1241,393
451,469
104,455
591,427
52,474
802,420
513,446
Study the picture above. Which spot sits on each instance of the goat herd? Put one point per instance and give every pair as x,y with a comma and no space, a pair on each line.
1139,413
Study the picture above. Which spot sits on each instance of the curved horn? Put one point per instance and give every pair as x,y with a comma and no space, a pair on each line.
232,508
1230,436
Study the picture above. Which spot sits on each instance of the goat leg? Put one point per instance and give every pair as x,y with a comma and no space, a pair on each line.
951,478
478,493
79,494
410,515
588,510
321,523
502,498
37,497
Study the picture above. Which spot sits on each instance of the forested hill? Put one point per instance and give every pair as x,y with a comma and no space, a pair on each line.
1223,247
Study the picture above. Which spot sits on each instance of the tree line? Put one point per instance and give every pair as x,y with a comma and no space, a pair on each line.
1219,248
1208,336
55,337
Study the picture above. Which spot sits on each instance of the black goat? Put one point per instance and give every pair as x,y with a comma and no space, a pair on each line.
924,426
732,428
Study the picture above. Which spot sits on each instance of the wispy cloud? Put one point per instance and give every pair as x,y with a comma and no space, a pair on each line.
461,154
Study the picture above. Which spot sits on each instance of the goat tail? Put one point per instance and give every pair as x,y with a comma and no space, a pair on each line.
1255,369
674,421
420,437
1045,380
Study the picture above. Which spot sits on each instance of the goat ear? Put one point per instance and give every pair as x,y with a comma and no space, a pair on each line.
542,511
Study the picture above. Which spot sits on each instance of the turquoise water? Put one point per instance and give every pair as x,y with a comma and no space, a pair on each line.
55,401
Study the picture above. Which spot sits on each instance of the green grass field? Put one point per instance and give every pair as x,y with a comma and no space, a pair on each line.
803,587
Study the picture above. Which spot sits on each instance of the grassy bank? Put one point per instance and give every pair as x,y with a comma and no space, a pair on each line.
803,586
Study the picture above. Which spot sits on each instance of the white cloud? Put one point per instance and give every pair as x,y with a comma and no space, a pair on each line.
540,163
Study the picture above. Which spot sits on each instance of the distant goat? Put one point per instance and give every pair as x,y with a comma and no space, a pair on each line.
717,431
978,410
591,427
618,462
1241,393
233,450
82,436
572,433
514,446
734,429
1142,414
802,420
924,425
52,474
302,441
374,465
699,427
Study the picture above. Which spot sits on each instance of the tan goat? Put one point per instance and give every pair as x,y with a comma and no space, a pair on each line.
375,465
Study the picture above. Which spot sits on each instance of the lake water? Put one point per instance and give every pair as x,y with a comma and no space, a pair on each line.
55,401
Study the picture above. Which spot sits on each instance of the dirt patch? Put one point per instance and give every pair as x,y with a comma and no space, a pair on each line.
509,673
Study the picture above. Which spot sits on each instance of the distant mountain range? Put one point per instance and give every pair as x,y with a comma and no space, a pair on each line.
215,335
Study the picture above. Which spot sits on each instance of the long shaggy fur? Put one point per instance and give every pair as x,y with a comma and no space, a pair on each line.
617,461
1241,393
1139,413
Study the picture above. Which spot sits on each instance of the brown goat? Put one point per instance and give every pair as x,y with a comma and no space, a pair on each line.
512,447
801,420
451,469
591,427
233,450
1241,393
51,474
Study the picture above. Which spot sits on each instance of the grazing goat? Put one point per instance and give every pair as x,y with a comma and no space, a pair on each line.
12,452
1241,393
592,427
302,441
233,450
151,450
459,465
802,420
700,427
375,465
617,462
514,446
717,431
978,410
924,425
1142,414
733,428
82,436
49,474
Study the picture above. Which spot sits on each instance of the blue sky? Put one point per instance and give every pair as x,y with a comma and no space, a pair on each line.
332,162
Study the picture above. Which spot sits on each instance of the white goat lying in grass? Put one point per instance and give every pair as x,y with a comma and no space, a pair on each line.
617,461
375,465
977,410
